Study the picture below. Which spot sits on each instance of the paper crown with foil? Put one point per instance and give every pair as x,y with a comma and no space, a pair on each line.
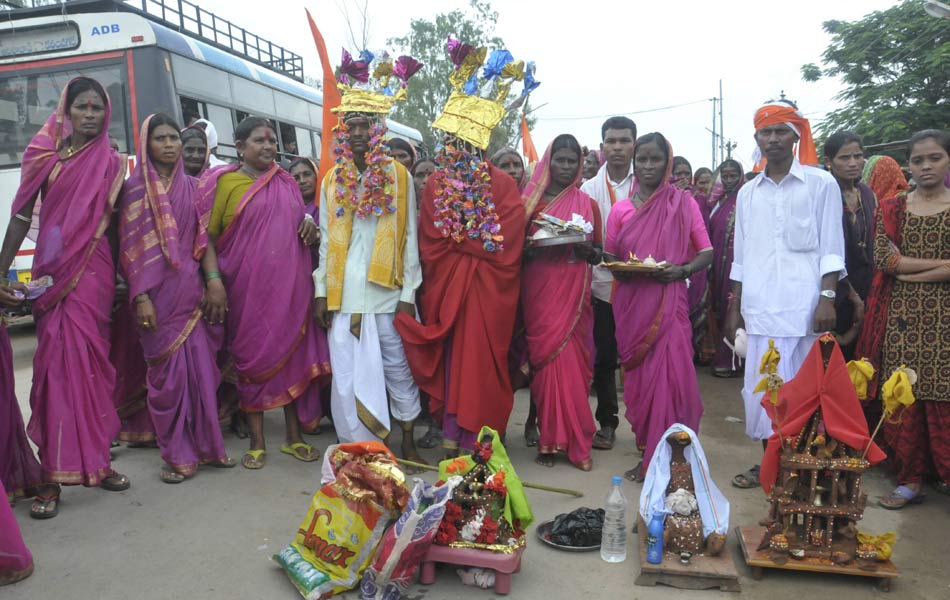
373,83
477,103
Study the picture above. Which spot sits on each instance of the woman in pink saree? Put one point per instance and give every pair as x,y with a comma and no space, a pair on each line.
16,562
69,184
558,315
253,217
652,311
158,225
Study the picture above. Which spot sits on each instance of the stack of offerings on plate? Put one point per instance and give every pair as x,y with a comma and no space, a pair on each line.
573,231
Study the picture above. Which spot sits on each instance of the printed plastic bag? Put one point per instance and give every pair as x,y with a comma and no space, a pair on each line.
405,544
346,520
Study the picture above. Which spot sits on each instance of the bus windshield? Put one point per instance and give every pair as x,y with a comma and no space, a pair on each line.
27,98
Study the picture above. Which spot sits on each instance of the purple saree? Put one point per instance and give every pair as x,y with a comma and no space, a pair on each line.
267,271
157,232
19,471
722,229
73,421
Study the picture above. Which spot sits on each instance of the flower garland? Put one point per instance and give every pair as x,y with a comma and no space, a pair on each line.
463,198
378,183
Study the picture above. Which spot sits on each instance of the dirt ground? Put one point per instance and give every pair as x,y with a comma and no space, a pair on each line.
213,536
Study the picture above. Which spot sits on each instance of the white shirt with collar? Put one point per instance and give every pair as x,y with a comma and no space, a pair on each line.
359,295
602,281
788,235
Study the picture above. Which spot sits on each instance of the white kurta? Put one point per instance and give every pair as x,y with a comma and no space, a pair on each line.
788,236
365,368
602,281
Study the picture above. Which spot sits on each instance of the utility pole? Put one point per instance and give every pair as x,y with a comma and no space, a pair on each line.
722,132
730,146
714,101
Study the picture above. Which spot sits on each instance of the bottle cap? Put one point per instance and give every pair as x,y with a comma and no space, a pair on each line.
617,480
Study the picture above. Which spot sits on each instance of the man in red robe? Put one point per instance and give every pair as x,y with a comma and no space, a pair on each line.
468,301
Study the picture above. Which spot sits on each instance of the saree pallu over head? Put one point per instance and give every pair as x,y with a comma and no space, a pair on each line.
645,308
266,269
469,300
555,290
76,196
871,340
884,176
148,230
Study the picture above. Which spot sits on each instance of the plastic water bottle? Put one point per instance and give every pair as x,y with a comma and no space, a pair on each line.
655,538
613,542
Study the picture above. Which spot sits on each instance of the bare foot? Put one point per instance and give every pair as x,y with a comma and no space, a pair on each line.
635,474
545,460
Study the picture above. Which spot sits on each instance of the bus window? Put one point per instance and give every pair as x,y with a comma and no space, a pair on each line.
190,110
304,142
27,100
288,139
221,118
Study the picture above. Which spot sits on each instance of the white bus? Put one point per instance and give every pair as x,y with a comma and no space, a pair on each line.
150,55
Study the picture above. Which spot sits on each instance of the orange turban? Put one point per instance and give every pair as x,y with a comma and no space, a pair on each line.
776,113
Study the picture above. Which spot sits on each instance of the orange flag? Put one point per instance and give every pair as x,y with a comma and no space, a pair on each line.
527,144
331,99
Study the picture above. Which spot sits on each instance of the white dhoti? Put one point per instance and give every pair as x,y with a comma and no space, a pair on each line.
793,350
364,369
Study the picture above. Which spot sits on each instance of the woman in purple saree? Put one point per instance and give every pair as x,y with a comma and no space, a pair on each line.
651,311
722,229
69,184
158,225
558,315
253,217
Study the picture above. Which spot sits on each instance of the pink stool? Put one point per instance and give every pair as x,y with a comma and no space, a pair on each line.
503,564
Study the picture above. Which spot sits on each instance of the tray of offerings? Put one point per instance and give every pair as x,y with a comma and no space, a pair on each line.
557,240
635,265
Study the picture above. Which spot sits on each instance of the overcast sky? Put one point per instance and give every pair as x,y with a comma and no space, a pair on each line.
606,57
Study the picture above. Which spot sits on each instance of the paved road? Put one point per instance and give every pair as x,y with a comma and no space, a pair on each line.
212,537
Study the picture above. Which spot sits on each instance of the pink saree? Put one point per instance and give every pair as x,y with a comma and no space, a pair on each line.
73,421
558,319
267,271
653,329
14,555
157,231
129,394
20,473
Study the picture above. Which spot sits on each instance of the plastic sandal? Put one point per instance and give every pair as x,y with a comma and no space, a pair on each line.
900,497
300,451
253,459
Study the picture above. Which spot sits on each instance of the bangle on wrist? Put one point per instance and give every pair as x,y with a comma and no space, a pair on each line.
212,275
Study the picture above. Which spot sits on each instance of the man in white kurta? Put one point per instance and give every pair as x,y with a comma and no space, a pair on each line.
788,257
366,352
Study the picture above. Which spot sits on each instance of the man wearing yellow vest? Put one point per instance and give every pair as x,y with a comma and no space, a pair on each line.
369,269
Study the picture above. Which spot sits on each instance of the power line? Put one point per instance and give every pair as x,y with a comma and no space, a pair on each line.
635,112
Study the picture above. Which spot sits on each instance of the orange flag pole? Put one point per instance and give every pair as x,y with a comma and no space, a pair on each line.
331,99
527,144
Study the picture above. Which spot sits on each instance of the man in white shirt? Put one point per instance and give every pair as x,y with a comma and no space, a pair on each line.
613,183
369,271
789,255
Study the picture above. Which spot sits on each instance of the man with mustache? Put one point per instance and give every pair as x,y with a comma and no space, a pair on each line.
788,257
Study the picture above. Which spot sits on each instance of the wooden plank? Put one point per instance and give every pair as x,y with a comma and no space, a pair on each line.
702,572
749,538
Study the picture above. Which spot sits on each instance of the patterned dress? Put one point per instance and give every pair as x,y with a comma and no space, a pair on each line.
918,325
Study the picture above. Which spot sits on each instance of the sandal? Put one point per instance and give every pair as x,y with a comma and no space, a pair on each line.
900,497
253,459
747,480
227,463
431,439
301,451
45,507
531,436
115,482
545,460
169,476
605,438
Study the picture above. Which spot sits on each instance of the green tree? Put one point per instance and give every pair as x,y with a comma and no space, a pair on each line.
430,88
895,66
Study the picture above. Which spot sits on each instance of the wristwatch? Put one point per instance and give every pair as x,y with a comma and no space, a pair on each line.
830,294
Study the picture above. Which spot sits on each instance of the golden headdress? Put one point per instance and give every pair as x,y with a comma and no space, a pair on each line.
476,105
371,83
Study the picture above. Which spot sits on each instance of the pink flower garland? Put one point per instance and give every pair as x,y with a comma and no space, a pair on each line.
463,199
377,197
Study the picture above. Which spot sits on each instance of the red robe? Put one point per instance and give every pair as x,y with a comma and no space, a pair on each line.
470,296
812,388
